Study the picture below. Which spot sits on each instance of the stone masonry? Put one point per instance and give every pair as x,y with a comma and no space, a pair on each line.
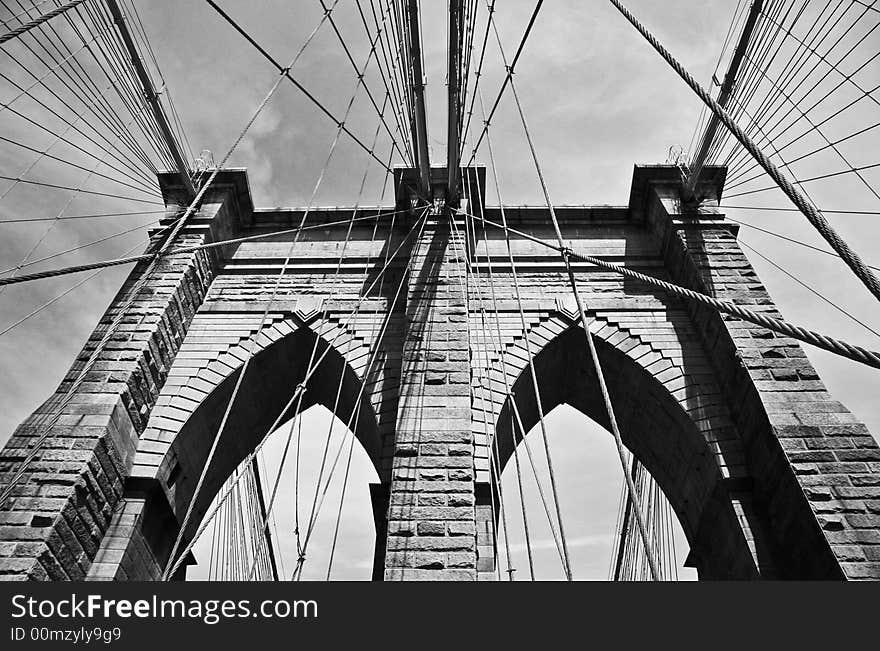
769,476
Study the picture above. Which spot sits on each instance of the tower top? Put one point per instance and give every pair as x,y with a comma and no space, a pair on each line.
406,187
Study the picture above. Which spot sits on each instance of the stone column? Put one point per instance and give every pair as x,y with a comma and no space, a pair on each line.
431,516
812,465
54,524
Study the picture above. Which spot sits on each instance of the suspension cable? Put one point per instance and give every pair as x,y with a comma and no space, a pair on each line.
814,216
153,258
836,346
810,289
285,72
18,31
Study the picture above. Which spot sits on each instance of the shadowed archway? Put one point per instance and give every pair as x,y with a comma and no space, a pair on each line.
158,506
270,381
654,427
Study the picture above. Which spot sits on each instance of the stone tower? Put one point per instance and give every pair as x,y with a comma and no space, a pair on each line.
770,476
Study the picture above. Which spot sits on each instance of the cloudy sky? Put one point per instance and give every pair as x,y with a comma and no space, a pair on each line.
598,99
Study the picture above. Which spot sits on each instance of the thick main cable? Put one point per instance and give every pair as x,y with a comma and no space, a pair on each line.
815,217
836,346
18,31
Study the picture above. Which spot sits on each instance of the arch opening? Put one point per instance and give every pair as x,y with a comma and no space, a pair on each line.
341,543
655,428
588,474
263,398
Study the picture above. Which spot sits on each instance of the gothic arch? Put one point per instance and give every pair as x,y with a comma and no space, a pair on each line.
268,385
174,448
673,442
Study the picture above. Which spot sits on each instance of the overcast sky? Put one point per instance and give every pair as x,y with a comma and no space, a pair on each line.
598,99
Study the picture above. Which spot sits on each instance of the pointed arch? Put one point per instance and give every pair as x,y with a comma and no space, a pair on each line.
175,457
667,420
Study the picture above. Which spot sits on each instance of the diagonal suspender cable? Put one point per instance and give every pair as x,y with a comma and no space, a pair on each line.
583,314
810,289
789,239
285,72
56,298
54,186
121,157
828,175
41,81
76,192
46,154
25,220
374,41
738,178
133,174
779,209
737,159
815,217
508,76
78,247
829,144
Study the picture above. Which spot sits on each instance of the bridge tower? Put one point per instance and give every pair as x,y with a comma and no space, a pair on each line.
769,476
